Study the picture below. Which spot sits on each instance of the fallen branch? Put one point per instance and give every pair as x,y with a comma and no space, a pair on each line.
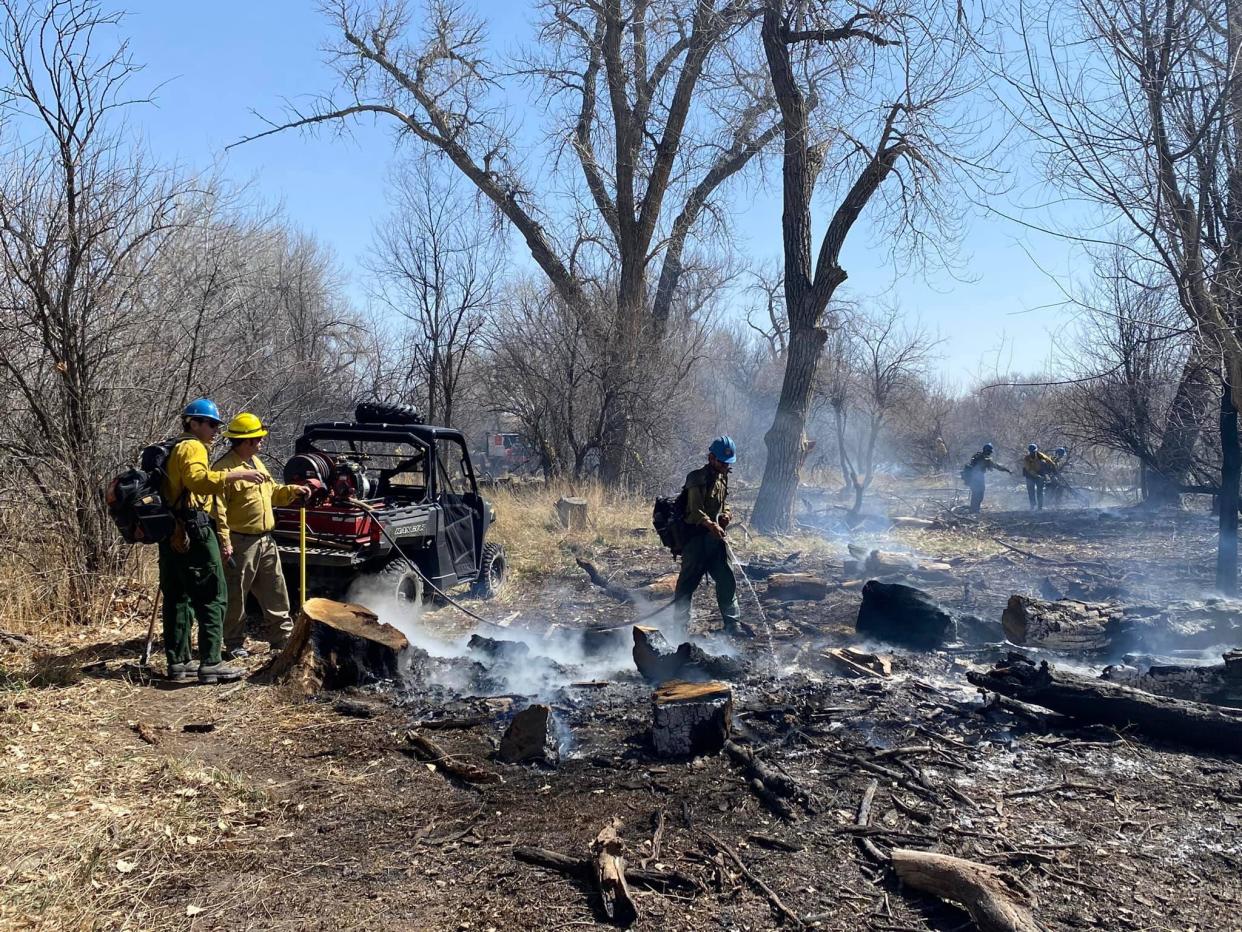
980,888
864,819
620,593
610,881
429,752
584,869
767,891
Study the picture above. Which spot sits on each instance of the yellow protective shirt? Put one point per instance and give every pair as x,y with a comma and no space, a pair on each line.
186,471
246,507
1038,464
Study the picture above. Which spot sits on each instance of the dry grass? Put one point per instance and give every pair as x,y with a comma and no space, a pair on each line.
538,546
100,818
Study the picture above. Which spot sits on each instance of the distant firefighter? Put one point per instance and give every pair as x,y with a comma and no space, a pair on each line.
940,454
1037,468
974,472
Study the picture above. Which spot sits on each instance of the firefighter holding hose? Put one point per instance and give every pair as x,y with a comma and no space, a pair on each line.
704,550
252,560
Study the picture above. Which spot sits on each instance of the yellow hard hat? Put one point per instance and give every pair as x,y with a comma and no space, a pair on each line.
245,427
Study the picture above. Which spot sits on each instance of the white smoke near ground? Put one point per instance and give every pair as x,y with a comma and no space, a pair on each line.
549,664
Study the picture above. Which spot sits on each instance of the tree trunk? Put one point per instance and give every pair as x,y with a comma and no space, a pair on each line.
774,507
1175,454
1230,472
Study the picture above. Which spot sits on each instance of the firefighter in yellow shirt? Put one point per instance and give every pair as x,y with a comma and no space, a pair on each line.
1037,468
191,575
252,560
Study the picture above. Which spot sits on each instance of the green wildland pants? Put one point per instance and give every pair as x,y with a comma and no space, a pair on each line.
702,555
256,571
193,587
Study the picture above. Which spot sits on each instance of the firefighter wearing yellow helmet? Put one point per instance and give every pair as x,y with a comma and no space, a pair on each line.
252,561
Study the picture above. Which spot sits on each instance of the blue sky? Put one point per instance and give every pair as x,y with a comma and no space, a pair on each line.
217,62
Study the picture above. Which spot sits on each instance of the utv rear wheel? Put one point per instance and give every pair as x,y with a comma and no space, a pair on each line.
399,580
492,571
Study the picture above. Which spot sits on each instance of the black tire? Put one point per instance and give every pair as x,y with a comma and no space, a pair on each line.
399,580
493,570
374,412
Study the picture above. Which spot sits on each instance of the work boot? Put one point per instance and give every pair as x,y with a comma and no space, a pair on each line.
181,672
218,673
238,653
736,628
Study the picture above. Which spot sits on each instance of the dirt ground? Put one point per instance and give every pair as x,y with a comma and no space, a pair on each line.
125,803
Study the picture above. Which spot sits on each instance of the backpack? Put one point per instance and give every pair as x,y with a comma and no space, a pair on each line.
135,501
668,518
967,472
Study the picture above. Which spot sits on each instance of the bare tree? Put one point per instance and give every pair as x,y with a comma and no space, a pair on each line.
889,75
439,266
82,217
1128,368
1139,106
644,97
889,362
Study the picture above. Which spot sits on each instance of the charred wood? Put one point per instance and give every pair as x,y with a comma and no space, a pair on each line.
1216,684
658,662
1099,701
1071,626
429,752
903,615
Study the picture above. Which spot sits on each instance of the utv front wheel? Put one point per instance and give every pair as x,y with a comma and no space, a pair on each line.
399,581
492,571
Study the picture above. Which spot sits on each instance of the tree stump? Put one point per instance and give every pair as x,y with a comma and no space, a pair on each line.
690,719
795,587
572,513
530,738
903,615
335,645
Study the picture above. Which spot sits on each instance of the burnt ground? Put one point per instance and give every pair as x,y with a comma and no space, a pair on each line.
286,814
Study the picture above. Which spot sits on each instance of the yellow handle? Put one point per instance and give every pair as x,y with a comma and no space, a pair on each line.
302,557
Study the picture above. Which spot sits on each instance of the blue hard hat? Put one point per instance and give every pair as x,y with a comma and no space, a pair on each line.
723,449
1060,451
204,408
1031,448
987,448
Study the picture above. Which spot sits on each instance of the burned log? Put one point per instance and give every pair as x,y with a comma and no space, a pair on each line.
1216,684
1101,702
903,615
690,719
530,738
507,651
981,889
794,587
1071,626
335,645
658,662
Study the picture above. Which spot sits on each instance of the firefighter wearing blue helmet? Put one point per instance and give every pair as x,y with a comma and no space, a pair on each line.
704,551
974,472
